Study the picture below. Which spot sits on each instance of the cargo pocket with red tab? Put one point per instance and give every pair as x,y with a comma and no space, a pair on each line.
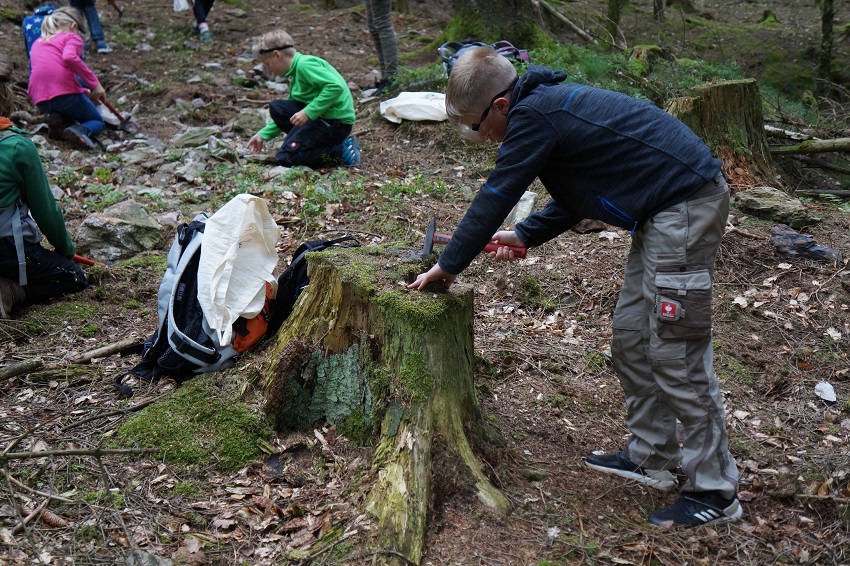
683,304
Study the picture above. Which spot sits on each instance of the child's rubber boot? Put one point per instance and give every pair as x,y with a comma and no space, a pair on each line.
78,136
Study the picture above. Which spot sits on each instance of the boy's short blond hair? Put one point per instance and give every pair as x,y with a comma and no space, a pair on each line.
60,20
477,76
274,40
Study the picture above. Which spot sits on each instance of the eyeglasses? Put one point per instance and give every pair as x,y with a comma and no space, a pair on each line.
273,49
471,133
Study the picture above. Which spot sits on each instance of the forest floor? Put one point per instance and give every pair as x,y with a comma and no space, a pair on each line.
542,327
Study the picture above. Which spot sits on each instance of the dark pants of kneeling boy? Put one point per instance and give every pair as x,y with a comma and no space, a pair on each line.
318,143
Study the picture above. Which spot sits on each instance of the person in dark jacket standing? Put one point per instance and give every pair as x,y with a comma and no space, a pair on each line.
607,156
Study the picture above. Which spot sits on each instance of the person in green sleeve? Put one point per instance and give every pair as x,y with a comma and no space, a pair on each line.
28,271
319,113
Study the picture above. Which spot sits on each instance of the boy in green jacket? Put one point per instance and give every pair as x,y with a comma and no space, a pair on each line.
318,115
29,272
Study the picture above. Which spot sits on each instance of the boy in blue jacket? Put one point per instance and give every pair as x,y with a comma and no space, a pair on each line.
606,156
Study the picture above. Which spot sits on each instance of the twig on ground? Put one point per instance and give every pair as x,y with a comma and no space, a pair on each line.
43,494
30,517
733,230
91,452
132,409
107,350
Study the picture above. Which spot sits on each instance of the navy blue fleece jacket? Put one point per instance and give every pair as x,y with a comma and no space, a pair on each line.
600,154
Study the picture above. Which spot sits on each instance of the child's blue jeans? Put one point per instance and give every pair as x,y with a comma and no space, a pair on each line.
75,107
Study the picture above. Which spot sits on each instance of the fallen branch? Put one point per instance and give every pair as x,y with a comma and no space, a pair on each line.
75,374
132,409
813,162
813,146
81,452
841,500
43,494
564,20
107,350
30,517
20,368
822,192
733,230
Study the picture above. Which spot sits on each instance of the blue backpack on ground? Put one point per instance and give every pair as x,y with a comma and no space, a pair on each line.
32,25
451,50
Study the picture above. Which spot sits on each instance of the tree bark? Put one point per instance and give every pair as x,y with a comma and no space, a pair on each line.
362,352
728,117
825,60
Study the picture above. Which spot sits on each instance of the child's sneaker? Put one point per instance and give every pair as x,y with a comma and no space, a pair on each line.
204,30
697,509
78,136
619,465
351,152
103,47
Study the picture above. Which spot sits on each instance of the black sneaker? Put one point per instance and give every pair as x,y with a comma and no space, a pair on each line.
619,465
78,136
697,509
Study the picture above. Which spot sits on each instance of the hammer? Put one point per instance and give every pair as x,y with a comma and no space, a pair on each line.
432,237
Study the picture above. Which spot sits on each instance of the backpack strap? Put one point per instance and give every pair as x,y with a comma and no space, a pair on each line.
12,214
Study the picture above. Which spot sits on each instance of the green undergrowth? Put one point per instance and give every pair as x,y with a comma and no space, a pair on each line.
200,424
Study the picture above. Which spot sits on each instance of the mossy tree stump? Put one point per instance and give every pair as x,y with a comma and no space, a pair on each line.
362,352
728,117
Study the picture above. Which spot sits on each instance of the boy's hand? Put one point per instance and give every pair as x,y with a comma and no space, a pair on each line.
256,144
436,273
299,118
98,94
508,238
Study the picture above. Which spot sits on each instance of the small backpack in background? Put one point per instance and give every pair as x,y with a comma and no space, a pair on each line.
184,345
31,25
294,278
451,50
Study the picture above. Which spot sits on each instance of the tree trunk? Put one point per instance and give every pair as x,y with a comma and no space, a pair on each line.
728,117
362,352
612,22
825,62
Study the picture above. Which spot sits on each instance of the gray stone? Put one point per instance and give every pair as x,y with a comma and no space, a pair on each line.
220,150
260,158
119,232
139,155
194,137
277,87
247,121
772,204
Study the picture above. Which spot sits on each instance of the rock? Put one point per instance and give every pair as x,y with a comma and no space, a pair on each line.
220,150
247,121
119,232
773,204
277,87
195,79
523,208
260,158
194,137
140,155
190,170
275,172
826,392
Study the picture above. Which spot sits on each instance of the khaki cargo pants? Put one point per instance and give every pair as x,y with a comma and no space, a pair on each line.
661,346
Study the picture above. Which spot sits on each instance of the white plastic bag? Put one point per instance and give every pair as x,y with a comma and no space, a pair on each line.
182,5
415,106
238,258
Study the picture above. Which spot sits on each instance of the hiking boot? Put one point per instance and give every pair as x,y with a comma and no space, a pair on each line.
11,294
697,509
351,152
78,136
103,47
619,465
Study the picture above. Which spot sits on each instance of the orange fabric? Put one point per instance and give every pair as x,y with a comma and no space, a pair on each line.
255,329
5,123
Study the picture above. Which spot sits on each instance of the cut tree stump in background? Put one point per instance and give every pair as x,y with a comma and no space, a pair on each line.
728,117
362,352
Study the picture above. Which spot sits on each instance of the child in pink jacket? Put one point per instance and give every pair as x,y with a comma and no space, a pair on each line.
56,64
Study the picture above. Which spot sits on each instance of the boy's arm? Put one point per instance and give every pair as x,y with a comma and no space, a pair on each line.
527,147
546,224
269,131
35,192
